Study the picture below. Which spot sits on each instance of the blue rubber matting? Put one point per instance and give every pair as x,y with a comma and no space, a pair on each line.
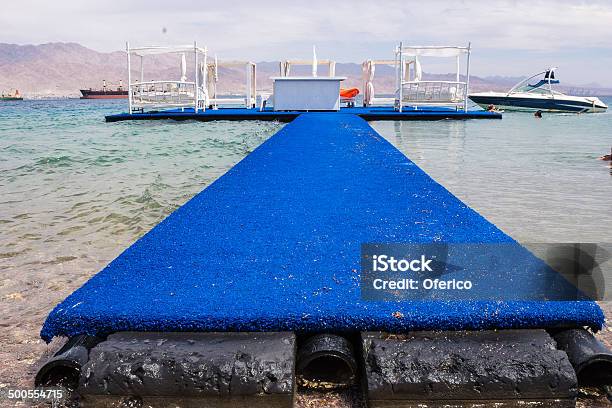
368,113
274,244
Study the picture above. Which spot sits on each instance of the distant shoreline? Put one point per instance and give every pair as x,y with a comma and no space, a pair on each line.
70,67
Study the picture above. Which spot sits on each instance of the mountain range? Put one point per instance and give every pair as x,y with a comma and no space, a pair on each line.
62,69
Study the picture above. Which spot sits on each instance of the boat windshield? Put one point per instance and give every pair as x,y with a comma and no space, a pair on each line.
533,85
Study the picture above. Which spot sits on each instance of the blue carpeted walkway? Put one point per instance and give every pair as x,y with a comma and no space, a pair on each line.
274,244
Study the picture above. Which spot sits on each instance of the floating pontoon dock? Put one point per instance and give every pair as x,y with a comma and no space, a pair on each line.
367,113
415,98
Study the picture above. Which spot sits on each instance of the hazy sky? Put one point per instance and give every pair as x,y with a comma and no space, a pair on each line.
510,38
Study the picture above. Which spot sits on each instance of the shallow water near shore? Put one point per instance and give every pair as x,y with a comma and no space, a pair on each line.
76,191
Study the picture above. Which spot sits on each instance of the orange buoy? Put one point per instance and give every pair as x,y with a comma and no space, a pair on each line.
349,92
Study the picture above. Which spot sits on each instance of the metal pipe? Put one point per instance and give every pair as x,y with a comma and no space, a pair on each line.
326,361
206,97
64,368
196,92
467,77
591,360
127,50
254,86
247,101
400,74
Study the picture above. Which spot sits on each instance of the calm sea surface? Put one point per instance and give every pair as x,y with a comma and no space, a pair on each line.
537,179
76,191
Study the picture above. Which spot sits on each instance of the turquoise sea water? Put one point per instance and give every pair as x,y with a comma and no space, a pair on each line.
76,191
71,184
537,179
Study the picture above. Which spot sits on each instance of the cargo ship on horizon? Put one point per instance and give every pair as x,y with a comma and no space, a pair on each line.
105,93
11,96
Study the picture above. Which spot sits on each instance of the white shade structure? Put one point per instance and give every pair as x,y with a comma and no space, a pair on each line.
410,88
416,92
158,50
168,93
306,93
434,51
368,68
248,98
285,65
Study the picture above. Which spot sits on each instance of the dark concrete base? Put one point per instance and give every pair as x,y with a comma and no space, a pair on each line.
263,401
482,403
250,369
465,369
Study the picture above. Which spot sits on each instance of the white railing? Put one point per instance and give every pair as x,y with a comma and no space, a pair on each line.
240,102
434,92
411,89
166,94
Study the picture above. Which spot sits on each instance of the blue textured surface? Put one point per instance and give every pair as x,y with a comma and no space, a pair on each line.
370,113
274,244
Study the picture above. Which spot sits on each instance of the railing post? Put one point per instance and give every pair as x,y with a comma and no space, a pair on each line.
205,80
196,91
127,50
254,100
467,78
401,76
248,85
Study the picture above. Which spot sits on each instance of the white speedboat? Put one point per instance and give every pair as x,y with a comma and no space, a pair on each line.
538,96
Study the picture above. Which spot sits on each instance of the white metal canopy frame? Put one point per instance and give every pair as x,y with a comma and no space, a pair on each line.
368,68
168,93
413,91
285,66
212,77
304,92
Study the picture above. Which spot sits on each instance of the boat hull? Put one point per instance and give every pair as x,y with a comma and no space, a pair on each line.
89,94
11,98
524,103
